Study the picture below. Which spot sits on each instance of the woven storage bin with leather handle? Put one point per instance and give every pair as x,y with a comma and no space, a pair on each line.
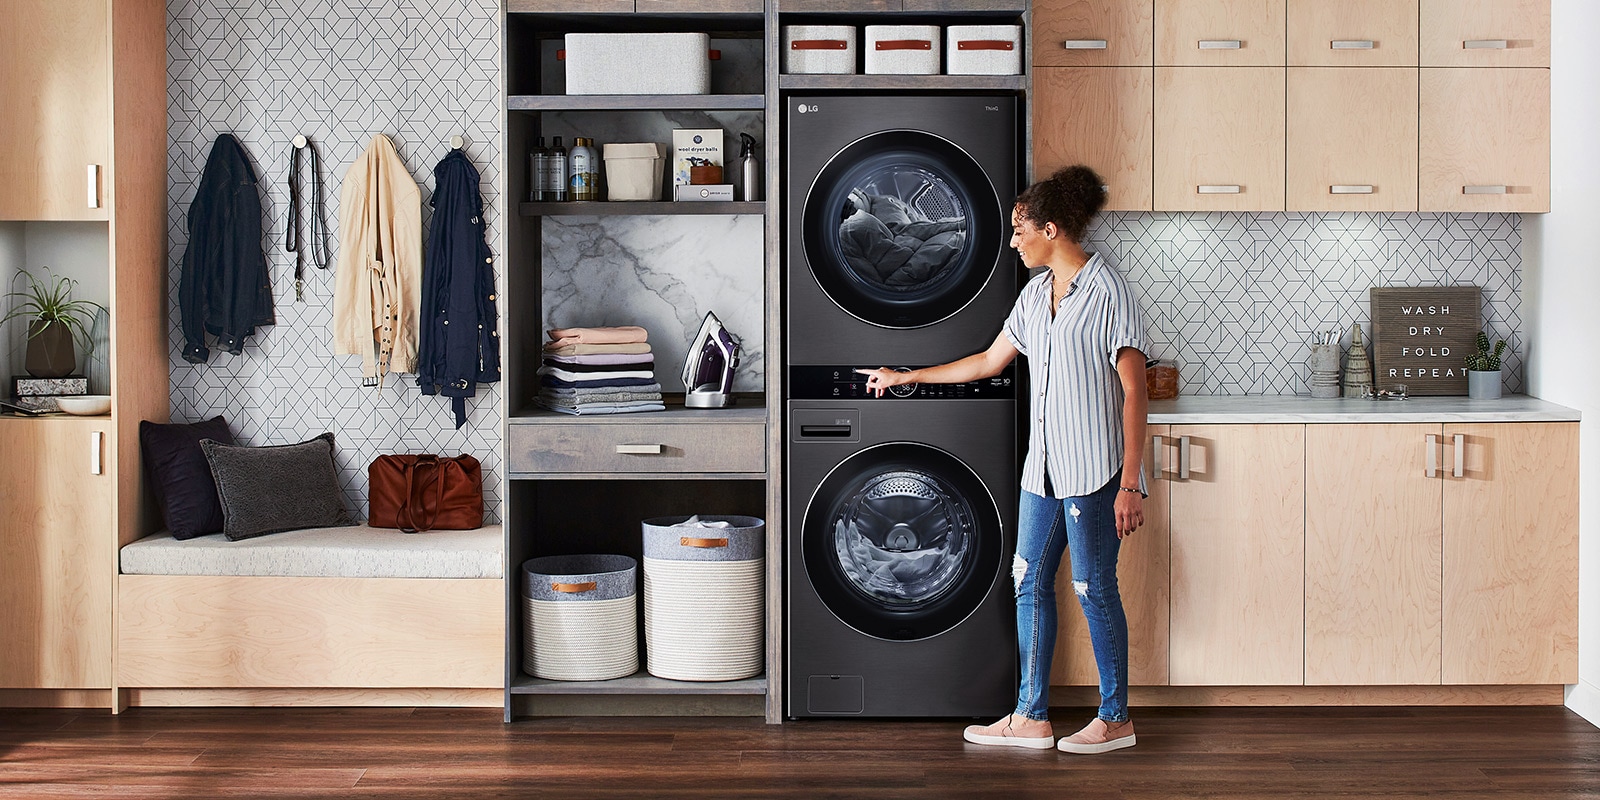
580,617
703,598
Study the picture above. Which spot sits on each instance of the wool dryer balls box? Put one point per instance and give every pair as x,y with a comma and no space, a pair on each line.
638,63
819,49
983,50
902,50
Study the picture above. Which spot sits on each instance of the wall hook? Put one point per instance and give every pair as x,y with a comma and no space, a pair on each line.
299,141
458,141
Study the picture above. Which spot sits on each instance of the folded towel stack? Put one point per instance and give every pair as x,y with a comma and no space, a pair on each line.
599,371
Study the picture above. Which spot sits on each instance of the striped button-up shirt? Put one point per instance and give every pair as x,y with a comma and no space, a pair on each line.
1075,413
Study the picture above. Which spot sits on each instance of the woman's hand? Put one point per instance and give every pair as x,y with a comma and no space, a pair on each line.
1129,509
883,377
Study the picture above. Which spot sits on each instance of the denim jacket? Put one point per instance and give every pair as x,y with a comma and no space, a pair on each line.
224,289
459,341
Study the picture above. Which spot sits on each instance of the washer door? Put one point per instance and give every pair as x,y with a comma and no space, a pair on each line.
902,541
901,229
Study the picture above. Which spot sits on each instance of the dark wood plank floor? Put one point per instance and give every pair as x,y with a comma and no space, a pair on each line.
1545,753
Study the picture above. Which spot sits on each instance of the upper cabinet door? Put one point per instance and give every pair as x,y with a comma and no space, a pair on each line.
1484,140
1219,136
1352,139
1352,33
55,83
1220,33
1485,33
1085,33
1100,118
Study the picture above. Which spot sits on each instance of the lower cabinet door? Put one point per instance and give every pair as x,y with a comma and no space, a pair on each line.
1238,556
1373,540
1510,553
1143,579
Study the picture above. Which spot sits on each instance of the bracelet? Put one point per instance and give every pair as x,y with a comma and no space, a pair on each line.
1135,490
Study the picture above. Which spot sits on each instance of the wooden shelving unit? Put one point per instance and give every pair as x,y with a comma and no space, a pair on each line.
601,208
636,102
902,83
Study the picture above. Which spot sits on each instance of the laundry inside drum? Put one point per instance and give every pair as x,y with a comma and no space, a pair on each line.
905,538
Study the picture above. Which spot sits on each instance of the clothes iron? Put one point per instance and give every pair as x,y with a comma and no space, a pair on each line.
708,371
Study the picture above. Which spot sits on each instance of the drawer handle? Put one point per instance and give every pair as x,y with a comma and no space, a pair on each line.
574,588
1485,189
1085,44
639,449
1221,44
1460,446
1230,188
1352,44
825,431
689,541
94,185
1348,188
903,44
987,44
96,444
1486,44
819,44
1158,447
1430,468
1183,457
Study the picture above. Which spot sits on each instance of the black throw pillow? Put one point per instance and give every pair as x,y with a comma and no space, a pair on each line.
179,475
285,487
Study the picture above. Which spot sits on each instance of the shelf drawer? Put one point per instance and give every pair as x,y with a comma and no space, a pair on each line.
578,447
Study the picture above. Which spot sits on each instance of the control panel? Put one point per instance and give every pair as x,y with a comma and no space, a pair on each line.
844,383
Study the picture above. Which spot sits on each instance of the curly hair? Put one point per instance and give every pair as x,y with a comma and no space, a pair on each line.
1070,198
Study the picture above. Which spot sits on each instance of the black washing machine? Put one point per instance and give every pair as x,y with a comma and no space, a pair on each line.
897,225
901,516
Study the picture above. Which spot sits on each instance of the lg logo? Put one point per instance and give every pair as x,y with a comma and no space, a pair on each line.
803,108
991,108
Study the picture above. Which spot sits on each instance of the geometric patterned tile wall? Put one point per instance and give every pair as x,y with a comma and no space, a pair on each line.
420,71
1235,298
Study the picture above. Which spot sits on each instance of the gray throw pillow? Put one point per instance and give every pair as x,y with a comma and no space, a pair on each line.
279,488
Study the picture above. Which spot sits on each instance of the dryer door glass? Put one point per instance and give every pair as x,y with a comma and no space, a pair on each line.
902,229
902,541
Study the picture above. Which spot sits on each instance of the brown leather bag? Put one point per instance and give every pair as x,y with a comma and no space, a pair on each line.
417,493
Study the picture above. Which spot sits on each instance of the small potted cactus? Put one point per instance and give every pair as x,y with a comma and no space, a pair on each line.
1483,369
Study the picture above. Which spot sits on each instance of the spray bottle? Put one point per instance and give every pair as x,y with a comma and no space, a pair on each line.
750,167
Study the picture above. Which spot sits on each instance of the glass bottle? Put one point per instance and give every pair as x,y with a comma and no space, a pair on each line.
556,176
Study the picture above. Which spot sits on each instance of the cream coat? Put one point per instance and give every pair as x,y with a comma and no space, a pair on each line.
378,284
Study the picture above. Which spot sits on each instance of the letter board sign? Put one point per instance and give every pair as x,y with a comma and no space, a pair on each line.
1421,336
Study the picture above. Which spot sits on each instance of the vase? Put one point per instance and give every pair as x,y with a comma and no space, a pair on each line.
50,353
1483,384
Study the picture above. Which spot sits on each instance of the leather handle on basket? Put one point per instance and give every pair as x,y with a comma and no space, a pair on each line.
903,44
574,588
987,44
690,541
819,44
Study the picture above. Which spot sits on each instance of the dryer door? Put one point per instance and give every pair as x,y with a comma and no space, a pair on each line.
901,229
902,541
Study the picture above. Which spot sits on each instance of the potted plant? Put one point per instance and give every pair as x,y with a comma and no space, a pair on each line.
54,318
1483,369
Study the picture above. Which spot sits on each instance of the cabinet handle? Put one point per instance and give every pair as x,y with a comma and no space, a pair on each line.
1183,458
1219,188
1431,468
1084,44
1352,44
1484,189
94,185
1461,455
1350,188
96,439
639,449
1158,445
1221,44
1486,44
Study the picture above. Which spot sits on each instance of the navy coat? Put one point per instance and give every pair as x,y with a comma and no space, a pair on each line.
458,337
224,289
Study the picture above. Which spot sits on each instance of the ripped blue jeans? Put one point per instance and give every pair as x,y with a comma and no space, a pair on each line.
1046,527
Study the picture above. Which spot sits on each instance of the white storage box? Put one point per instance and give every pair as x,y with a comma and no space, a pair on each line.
902,50
633,171
819,49
638,63
983,50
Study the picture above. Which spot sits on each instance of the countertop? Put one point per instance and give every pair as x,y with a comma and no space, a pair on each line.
1235,409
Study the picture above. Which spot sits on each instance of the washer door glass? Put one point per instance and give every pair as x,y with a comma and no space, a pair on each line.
902,541
902,229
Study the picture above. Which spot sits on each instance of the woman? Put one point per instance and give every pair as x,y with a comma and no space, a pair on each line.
1083,334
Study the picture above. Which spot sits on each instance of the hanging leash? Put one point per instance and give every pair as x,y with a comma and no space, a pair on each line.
319,231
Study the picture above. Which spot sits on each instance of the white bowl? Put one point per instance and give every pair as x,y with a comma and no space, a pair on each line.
85,405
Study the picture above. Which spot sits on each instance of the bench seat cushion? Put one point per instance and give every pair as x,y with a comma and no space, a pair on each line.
355,551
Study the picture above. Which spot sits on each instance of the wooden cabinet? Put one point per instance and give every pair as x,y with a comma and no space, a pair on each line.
1350,146
55,82
1510,553
1373,551
1143,578
1100,117
1216,33
1078,33
58,555
1219,139
1353,33
1238,555
1484,140
1485,33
